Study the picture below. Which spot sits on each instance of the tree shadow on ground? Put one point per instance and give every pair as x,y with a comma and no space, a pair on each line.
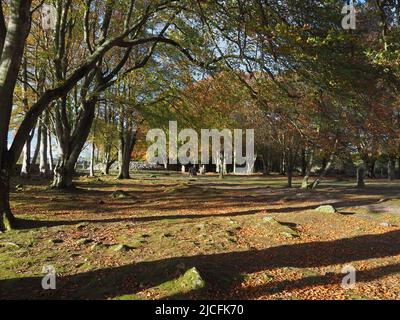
319,280
25,224
221,271
34,224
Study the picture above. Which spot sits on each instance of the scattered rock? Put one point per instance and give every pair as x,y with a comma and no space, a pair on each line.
153,176
119,194
167,235
270,220
326,209
57,241
84,241
291,198
385,224
82,225
122,248
200,226
19,188
98,246
9,244
101,202
289,235
192,279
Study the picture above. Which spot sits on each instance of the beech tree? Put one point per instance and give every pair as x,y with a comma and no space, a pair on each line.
123,24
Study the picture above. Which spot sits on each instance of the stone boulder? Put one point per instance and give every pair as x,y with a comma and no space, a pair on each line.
326,209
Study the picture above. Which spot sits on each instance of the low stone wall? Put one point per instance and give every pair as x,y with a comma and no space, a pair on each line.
134,166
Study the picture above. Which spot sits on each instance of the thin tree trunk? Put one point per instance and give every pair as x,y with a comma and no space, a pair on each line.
391,169
326,167
50,149
289,176
108,162
398,171
372,169
124,154
361,175
107,166
26,160
92,160
304,163
43,160
264,166
323,173
310,162
37,148
221,166
283,166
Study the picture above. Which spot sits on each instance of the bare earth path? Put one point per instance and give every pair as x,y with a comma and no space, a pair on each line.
249,238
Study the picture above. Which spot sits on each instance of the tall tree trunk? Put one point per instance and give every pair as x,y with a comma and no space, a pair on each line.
50,153
12,45
372,169
92,160
304,162
290,165
124,161
71,146
309,165
398,171
391,169
7,220
326,167
37,148
323,173
26,156
108,162
127,141
283,165
289,176
26,159
125,153
63,175
264,166
361,175
107,166
43,160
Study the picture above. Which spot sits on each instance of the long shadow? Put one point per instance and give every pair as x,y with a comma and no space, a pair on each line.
313,281
220,271
33,224
36,224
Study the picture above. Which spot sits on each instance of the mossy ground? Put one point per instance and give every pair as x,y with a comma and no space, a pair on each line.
249,238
